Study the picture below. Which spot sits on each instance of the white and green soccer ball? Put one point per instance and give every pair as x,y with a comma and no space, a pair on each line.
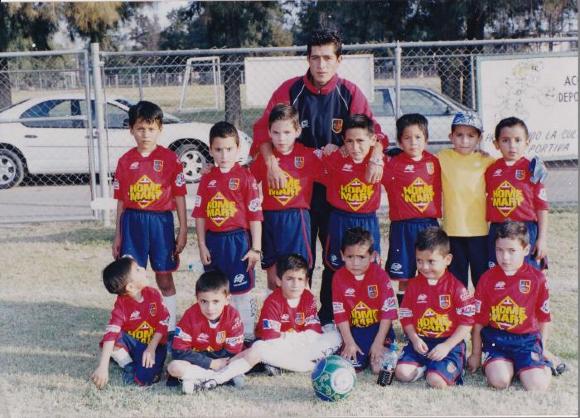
333,378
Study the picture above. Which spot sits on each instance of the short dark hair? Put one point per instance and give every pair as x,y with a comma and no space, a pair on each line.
433,238
223,129
146,111
290,262
411,119
513,230
357,236
359,121
212,281
116,275
508,123
325,37
284,112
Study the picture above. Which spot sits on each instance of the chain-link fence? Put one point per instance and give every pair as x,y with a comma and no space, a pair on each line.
197,88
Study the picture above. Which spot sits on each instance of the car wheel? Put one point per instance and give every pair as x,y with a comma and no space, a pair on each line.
193,156
11,169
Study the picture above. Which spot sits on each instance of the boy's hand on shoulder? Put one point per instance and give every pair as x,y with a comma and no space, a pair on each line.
100,377
219,363
439,352
206,168
330,148
474,362
204,255
276,177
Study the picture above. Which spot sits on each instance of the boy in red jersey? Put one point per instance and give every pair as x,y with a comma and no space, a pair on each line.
286,228
436,314
289,332
364,303
512,315
208,335
227,205
137,331
413,183
511,194
353,200
149,184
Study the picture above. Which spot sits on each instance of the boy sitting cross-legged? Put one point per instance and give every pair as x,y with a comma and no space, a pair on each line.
289,332
208,335
137,331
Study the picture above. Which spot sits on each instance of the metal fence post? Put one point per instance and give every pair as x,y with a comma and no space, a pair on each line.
473,102
100,119
398,53
140,77
90,131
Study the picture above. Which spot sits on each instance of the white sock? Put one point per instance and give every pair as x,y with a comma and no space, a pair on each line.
235,368
420,372
121,357
194,372
171,304
246,305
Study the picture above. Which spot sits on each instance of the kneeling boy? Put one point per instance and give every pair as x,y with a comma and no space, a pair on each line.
208,335
137,331
436,314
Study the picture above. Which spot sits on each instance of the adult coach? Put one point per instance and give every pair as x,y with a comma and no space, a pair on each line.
323,101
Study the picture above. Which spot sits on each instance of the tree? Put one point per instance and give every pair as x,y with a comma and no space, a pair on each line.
228,25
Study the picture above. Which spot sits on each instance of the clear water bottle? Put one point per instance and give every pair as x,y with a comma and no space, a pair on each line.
389,363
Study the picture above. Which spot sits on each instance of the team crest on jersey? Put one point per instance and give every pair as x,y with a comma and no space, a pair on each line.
444,301
299,320
430,167
356,193
525,286
143,333
337,125
287,193
152,309
520,174
219,209
432,324
234,183
144,191
373,291
419,194
158,165
220,337
298,162
363,316
507,314
506,198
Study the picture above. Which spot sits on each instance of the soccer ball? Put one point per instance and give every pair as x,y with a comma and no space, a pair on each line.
333,378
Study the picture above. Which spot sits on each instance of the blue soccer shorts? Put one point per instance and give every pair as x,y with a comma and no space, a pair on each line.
401,260
364,338
532,230
286,232
525,351
449,369
227,250
338,223
149,235
143,376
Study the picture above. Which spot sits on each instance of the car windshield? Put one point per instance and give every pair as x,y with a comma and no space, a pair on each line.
168,118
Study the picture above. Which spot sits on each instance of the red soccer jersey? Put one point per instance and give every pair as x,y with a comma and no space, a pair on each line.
436,311
195,332
149,183
228,201
346,187
510,193
515,303
300,167
278,317
363,302
138,319
413,187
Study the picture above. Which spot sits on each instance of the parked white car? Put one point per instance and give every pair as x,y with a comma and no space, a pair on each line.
61,146
437,108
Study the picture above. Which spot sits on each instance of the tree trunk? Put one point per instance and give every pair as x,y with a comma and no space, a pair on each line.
5,88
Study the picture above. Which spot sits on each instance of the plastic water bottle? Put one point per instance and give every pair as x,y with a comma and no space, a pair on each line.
389,363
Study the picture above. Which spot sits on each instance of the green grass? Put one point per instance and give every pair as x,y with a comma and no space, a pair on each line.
54,309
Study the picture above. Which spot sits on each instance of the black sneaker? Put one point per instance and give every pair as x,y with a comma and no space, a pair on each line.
559,369
209,384
172,381
272,370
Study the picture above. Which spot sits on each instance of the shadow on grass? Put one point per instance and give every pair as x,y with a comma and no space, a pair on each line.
50,338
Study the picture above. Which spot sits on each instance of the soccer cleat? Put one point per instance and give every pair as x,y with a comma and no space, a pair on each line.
129,374
189,386
272,370
209,384
559,369
238,381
